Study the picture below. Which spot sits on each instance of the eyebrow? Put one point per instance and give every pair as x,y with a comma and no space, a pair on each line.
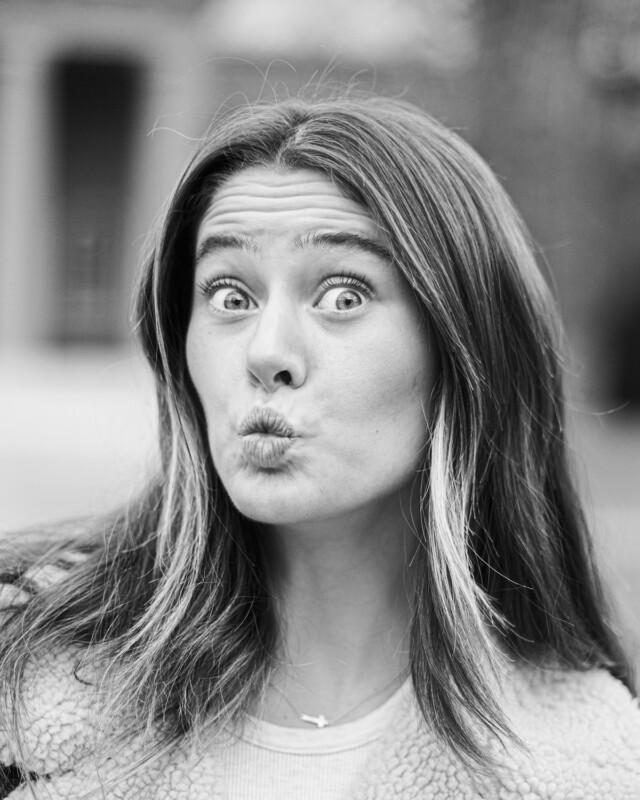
216,242
345,239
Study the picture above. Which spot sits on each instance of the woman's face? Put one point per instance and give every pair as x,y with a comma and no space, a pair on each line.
307,350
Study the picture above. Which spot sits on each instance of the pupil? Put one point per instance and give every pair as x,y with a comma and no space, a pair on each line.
234,300
348,300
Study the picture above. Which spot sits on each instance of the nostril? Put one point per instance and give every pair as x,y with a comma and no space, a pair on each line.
284,376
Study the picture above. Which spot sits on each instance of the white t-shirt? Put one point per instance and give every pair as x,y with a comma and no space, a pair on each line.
270,762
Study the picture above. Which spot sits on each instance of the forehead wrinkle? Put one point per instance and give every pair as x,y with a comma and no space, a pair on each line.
250,182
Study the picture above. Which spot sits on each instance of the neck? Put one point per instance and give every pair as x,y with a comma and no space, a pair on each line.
343,589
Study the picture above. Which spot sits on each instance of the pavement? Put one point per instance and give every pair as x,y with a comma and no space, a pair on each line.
77,433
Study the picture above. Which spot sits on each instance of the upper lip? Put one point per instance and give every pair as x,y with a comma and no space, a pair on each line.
265,420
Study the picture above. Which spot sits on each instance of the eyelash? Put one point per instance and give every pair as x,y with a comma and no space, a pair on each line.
209,285
347,279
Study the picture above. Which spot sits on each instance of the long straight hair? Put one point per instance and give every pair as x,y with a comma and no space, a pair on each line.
172,593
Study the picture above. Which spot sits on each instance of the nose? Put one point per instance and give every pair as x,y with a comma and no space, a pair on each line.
275,355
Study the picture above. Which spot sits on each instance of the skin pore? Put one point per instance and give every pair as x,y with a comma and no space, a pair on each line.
299,314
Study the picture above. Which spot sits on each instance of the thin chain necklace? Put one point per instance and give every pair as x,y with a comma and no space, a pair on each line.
321,721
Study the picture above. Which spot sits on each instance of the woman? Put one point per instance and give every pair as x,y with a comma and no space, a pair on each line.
361,570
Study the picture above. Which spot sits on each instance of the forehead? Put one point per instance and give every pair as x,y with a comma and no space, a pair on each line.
266,201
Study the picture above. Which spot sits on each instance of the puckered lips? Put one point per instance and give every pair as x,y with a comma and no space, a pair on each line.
266,437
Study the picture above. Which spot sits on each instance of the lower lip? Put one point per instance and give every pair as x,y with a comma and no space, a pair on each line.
265,450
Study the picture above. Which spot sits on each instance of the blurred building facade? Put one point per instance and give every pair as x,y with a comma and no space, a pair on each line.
548,92
80,88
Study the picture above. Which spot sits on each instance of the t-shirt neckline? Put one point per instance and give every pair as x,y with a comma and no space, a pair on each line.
331,739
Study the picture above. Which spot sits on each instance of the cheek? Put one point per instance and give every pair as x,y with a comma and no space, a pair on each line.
197,361
395,375
210,367
382,407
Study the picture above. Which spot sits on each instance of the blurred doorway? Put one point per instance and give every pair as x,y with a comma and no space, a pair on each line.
95,104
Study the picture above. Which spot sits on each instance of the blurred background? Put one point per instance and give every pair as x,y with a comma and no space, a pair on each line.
101,104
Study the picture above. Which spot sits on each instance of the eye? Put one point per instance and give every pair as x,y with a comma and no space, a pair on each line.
227,296
343,293
341,299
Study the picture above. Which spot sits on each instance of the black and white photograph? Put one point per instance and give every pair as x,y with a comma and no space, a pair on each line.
319,399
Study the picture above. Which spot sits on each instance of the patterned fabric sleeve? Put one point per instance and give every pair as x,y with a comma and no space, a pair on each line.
11,776
49,692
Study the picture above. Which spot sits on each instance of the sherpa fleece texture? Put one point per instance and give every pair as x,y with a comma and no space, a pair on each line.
582,730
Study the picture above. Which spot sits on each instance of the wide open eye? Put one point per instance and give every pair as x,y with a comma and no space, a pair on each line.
344,292
226,295
230,298
341,298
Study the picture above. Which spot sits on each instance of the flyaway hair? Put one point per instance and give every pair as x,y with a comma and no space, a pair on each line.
171,595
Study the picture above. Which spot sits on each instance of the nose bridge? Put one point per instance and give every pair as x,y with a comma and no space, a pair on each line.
275,353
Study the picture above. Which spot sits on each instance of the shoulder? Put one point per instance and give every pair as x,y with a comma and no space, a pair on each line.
55,701
70,739
57,718
582,730
577,696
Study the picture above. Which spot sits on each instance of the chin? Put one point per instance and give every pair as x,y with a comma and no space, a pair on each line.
270,512
266,498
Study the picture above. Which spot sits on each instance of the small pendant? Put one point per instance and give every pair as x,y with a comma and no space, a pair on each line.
320,721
